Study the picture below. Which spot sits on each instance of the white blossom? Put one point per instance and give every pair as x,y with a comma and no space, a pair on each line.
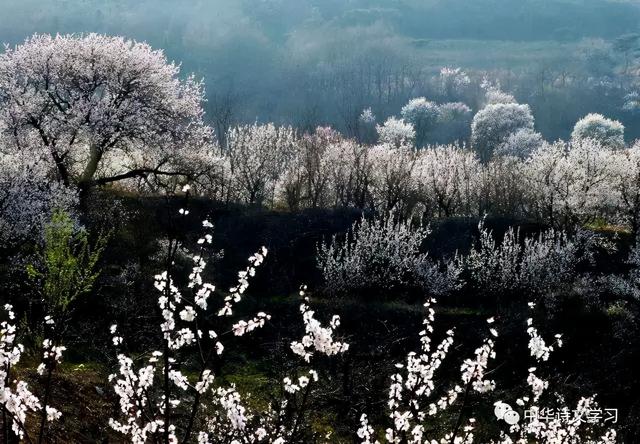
99,108
396,132
609,133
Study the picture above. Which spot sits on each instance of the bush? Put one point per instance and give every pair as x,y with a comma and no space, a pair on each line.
538,265
384,253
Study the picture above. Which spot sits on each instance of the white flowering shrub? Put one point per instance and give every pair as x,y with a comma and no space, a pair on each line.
383,253
378,252
367,117
517,263
350,174
625,175
570,425
327,172
548,175
146,412
591,192
82,101
285,420
434,122
154,393
454,123
367,126
493,93
396,132
493,124
609,133
451,111
412,392
494,96
502,191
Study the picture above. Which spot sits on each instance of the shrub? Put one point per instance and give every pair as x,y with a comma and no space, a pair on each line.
537,265
383,253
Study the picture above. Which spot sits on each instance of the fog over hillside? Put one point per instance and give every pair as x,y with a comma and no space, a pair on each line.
289,60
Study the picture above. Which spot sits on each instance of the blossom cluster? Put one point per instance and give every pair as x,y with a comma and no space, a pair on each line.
282,420
16,399
410,401
409,408
144,415
563,428
317,338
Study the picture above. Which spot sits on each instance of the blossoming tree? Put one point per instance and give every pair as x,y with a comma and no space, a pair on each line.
84,100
